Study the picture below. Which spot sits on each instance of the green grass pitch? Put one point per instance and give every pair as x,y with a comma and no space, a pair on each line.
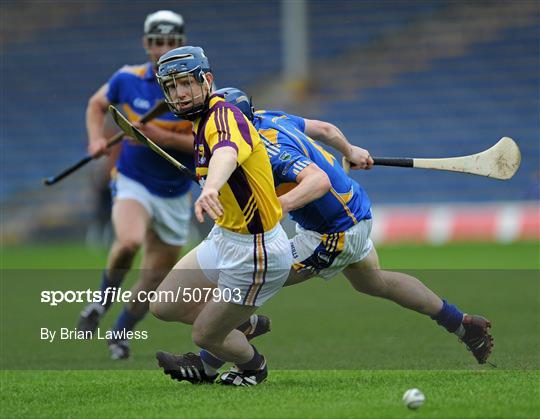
332,352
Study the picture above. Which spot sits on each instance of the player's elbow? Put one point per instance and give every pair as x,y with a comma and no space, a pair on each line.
314,180
97,103
322,184
319,130
327,129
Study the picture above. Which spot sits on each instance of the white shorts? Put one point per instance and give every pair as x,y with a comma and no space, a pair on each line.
326,255
253,267
170,216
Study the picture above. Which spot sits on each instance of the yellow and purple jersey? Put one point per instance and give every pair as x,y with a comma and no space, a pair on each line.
249,199
136,89
290,151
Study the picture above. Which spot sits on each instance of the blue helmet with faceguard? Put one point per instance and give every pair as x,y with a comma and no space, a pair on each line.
184,62
238,98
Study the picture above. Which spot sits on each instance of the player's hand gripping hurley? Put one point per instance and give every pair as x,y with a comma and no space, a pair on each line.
128,129
159,109
501,161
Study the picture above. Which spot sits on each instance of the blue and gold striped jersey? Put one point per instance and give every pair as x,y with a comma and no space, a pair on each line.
136,89
291,150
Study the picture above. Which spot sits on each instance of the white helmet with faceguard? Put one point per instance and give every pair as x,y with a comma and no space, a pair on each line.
164,27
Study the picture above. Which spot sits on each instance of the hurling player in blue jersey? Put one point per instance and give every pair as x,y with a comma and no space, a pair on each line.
333,218
152,202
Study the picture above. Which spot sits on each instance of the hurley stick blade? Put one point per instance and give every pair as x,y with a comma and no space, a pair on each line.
134,133
501,161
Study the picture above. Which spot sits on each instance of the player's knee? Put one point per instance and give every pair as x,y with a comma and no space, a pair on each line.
203,339
150,280
160,310
376,289
129,245
170,312
371,283
137,308
199,338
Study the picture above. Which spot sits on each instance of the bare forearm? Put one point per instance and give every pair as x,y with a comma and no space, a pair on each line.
328,134
95,119
332,136
311,186
300,196
337,141
221,166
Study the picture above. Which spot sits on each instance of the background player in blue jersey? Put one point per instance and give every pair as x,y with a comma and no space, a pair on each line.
152,203
333,216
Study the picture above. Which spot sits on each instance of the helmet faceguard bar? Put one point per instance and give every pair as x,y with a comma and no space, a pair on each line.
171,40
169,85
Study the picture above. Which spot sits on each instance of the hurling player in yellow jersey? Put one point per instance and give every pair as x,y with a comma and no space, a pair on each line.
246,257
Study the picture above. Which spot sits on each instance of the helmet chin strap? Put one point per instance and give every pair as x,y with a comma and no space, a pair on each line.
207,84
202,92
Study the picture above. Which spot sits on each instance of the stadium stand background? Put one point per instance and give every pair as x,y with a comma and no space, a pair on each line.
400,78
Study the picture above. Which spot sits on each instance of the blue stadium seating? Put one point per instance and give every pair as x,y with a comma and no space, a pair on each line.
457,105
